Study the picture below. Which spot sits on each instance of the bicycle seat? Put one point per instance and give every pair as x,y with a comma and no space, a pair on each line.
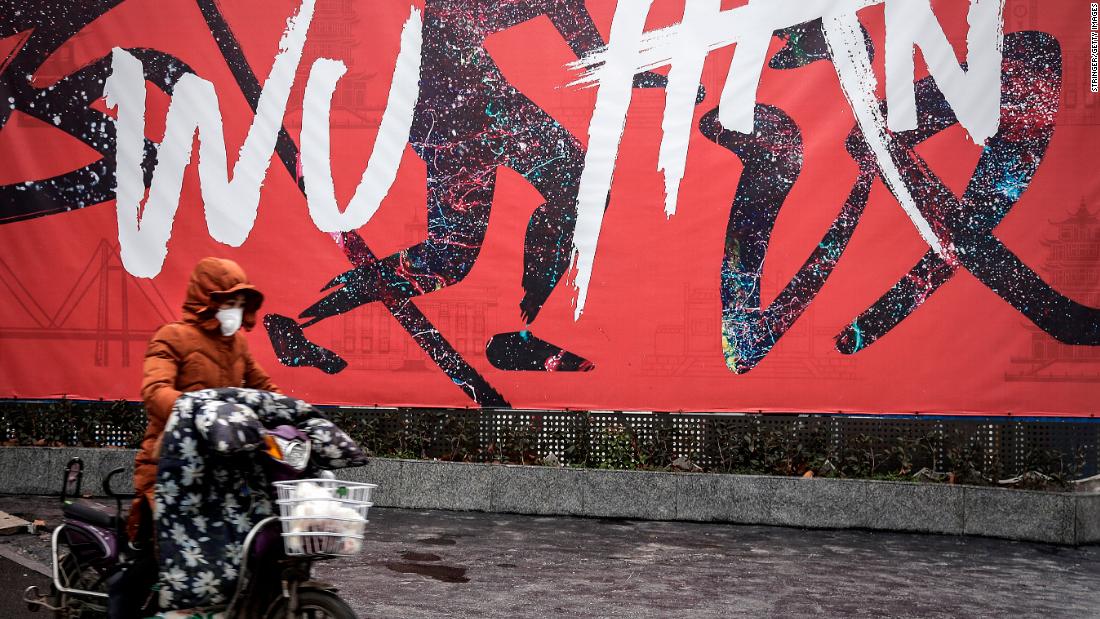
90,512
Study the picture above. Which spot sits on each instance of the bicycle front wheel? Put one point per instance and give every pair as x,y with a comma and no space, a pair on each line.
313,604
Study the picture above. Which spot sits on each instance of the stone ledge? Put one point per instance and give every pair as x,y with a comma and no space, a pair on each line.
1052,517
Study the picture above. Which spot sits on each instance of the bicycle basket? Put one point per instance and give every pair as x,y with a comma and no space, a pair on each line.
323,516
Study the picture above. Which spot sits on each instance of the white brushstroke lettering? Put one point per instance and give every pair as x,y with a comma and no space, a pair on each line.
231,205
616,78
389,144
974,94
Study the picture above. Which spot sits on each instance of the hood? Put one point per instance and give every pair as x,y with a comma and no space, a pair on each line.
213,281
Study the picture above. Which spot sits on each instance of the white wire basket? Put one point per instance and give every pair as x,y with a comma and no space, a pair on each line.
323,516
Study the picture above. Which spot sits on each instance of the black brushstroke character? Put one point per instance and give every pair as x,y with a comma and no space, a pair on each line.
64,104
1030,87
469,121
772,157
1031,81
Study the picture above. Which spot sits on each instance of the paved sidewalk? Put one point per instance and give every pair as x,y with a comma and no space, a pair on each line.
436,564
421,564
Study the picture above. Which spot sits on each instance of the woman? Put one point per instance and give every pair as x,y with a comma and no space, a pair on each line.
203,350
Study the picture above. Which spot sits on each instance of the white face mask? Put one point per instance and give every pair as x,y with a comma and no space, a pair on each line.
230,319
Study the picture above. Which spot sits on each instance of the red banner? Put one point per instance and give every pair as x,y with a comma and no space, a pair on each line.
853,206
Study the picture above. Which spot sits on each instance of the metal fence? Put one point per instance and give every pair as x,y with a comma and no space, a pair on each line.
1002,446
999,447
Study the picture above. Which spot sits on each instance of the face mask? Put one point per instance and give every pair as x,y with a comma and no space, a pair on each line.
230,319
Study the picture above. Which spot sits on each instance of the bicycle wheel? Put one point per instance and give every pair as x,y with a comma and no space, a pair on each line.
314,604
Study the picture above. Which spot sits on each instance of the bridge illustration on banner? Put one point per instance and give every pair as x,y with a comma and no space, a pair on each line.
128,308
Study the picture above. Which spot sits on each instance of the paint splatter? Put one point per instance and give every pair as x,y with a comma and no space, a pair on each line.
1030,91
522,351
772,159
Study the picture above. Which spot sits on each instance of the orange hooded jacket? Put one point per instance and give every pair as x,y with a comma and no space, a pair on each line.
192,354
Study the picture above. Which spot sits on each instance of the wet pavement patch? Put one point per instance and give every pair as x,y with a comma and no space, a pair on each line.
419,556
444,573
441,540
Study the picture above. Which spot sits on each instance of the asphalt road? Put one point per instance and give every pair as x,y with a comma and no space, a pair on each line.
15,579
451,564
421,564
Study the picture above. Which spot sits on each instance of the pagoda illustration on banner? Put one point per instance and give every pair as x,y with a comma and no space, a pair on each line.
333,35
1070,265
689,346
126,309
371,340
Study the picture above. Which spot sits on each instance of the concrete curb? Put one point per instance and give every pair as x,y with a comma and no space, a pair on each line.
1059,518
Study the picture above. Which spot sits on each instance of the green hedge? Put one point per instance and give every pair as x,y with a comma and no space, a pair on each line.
772,445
